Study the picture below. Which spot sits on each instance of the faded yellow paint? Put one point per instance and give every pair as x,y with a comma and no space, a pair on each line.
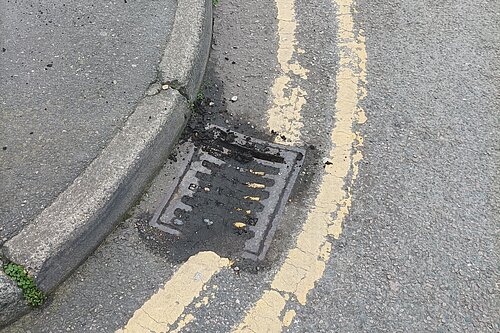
305,264
271,304
288,317
165,307
204,301
284,115
183,322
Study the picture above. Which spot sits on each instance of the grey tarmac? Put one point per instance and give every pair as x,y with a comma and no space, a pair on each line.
419,249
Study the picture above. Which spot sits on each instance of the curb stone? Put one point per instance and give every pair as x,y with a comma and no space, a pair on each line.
68,231
12,302
189,42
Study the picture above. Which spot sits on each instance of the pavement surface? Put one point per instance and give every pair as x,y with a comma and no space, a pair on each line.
407,199
70,75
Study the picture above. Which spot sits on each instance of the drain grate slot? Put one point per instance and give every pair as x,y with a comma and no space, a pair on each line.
230,195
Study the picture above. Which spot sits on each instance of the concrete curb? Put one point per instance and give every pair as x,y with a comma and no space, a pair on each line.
12,303
189,42
70,229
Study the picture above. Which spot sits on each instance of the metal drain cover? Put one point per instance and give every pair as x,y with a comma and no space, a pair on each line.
230,194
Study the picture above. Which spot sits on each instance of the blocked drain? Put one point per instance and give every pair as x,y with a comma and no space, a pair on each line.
230,195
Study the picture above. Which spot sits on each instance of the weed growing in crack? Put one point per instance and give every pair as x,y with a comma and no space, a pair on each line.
200,96
195,105
34,296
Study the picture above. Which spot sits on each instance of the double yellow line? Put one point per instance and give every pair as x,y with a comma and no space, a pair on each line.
306,262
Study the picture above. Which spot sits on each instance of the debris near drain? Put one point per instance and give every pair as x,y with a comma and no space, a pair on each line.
239,225
178,222
230,194
255,185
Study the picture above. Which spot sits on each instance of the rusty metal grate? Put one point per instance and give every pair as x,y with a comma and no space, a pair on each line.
230,194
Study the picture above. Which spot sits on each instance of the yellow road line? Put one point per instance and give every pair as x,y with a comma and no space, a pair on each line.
305,264
284,115
165,307
265,316
183,322
288,317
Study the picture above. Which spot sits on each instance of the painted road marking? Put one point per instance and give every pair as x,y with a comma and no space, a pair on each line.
288,317
284,115
165,307
305,264
183,322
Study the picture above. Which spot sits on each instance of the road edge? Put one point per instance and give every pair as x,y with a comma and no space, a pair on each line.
79,219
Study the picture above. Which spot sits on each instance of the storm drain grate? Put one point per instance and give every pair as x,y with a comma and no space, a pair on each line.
230,194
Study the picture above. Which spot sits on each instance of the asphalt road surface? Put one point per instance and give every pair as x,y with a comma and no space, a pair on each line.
392,225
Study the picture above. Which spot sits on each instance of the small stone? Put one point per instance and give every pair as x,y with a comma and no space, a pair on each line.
165,86
234,99
208,222
211,104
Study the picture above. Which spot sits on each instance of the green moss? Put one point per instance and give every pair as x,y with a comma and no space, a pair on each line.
34,296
